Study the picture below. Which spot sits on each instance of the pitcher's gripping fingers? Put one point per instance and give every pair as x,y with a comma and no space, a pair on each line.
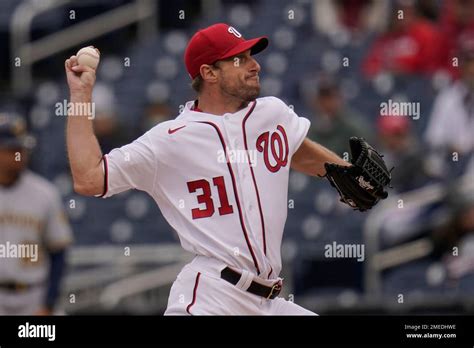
72,61
80,78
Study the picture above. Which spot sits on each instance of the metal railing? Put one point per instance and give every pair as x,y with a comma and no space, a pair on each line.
115,275
142,12
377,260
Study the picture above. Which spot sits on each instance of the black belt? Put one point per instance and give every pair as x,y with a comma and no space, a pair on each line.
16,286
269,292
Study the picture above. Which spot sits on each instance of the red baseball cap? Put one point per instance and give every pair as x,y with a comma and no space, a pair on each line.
219,41
393,124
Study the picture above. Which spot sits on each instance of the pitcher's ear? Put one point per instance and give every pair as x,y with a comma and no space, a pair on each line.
208,73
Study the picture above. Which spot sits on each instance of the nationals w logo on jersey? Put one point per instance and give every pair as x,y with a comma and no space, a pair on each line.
277,145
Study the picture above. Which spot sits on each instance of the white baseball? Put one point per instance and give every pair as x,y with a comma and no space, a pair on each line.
88,56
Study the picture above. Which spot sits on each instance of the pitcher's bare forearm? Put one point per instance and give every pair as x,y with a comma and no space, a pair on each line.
85,155
83,148
311,156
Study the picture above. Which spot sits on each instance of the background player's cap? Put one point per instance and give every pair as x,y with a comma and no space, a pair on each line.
219,41
390,125
13,132
466,45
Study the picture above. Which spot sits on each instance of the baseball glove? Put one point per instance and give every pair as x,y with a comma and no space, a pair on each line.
363,184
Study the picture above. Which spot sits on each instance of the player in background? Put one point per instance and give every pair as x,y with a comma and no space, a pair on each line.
230,215
34,231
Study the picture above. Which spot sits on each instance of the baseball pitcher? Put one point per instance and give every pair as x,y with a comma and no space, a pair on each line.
219,174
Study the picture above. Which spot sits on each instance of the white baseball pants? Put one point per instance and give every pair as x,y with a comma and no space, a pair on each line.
199,290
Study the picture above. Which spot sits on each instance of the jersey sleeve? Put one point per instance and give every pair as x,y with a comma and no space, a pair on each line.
132,166
58,234
297,127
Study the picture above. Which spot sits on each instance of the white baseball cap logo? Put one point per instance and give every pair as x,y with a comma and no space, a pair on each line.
234,31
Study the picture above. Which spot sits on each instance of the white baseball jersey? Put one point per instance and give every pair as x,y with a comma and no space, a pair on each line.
32,221
220,181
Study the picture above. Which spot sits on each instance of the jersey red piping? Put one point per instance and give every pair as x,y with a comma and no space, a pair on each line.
254,180
195,107
106,176
249,245
196,284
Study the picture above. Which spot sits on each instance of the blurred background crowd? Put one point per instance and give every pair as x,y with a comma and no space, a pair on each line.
335,62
